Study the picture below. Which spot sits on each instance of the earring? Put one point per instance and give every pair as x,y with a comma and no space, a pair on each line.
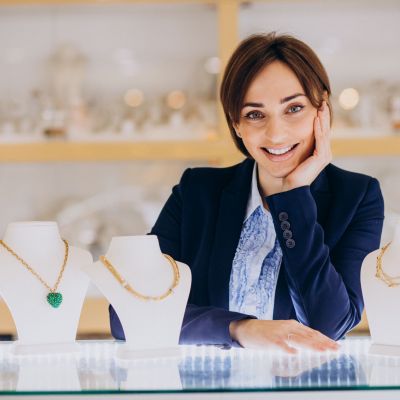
238,134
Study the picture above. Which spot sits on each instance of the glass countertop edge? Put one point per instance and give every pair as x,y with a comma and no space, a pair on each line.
221,383
188,391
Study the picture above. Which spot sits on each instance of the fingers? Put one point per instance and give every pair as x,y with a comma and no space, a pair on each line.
305,341
324,115
283,345
323,119
321,132
318,135
313,343
310,338
322,339
287,335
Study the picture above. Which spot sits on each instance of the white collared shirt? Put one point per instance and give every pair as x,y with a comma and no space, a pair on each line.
257,261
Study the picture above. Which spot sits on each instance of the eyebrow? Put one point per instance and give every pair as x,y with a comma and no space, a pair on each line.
282,101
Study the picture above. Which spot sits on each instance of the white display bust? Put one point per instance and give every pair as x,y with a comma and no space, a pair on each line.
381,301
42,328
148,325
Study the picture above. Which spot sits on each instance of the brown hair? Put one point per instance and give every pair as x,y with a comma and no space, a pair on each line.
255,53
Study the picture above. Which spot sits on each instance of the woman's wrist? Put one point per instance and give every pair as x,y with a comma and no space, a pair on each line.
290,184
235,328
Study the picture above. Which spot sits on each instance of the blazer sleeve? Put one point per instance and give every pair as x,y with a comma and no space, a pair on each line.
201,324
325,285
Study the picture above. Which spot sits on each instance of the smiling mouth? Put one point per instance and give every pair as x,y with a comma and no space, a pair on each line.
281,151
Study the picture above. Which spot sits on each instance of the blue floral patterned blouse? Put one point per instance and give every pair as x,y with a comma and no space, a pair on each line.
257,261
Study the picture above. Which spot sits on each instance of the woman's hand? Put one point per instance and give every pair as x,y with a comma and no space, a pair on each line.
309,169
285,334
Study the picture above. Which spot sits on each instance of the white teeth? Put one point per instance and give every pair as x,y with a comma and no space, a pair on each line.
279,151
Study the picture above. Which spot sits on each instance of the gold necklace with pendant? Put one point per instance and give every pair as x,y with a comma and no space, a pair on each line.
54,298
391,281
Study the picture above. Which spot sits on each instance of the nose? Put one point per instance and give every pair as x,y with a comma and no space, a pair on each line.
275,132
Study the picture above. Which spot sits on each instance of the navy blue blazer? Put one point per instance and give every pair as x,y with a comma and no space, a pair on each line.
333,225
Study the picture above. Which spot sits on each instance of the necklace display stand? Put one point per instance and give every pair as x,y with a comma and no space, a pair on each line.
151,328
40,327
161,374
381,300
60,374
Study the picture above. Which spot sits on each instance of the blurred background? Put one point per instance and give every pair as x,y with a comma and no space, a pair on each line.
103,104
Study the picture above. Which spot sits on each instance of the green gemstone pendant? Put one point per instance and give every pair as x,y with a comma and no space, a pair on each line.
54,299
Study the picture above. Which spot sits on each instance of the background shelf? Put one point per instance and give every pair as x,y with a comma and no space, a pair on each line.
199,150
112,151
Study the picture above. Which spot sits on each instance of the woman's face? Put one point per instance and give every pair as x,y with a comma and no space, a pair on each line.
277,117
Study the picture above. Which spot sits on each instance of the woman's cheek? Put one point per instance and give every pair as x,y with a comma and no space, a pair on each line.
304,128
253,145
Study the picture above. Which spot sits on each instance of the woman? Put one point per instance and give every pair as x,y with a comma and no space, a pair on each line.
275,243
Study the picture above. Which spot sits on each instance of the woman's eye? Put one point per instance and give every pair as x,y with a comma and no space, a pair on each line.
254,115
295,109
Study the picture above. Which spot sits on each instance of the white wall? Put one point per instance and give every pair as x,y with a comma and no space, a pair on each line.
357,40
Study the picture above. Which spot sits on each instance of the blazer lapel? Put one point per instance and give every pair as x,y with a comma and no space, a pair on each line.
231,213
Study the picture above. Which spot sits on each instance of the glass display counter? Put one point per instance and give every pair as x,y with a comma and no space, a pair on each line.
201,372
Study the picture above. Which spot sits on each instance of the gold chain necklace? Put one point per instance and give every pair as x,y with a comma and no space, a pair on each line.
391,281
131,290
54,298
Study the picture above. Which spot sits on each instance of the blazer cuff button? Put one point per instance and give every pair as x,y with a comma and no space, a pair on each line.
283,216
285,225
287,234
290,243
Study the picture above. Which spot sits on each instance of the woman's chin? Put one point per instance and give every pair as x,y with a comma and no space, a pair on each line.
278,172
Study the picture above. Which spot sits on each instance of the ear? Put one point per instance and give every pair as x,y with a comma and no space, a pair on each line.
236,128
